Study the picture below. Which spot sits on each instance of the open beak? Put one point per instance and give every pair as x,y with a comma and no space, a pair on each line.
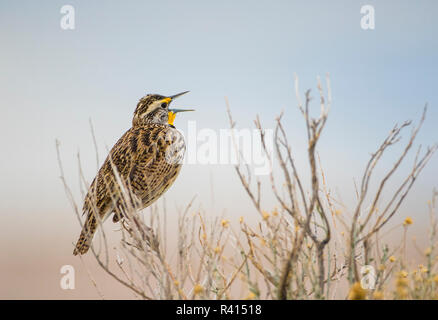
180,110
173,112
178,95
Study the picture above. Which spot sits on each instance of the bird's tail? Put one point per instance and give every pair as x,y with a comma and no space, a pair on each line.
86,236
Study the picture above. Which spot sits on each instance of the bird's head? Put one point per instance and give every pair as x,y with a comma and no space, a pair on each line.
154,108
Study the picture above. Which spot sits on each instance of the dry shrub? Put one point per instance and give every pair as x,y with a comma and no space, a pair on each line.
302,249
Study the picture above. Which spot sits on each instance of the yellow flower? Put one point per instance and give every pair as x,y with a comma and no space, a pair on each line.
225,223
408,221
422,268
435,279
265,215
403,274
382,267
401,282
241,220
357,292
217,250
250,296
428,251
402,292
275,212
176,283
378,295
198,289
401,285
338,212
392,258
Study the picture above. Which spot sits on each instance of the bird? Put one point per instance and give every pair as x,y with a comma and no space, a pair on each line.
146,160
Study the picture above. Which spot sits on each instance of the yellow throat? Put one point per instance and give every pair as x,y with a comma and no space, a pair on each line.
172,117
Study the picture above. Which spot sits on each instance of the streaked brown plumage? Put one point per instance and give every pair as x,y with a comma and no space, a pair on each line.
147,159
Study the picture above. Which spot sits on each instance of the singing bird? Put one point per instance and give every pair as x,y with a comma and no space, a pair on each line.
146,160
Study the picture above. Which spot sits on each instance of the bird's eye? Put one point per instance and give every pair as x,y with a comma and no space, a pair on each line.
164,105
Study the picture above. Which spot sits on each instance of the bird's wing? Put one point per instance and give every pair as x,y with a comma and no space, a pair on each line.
103,191
104,185
147,161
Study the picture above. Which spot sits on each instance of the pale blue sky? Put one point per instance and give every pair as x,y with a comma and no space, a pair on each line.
52,81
